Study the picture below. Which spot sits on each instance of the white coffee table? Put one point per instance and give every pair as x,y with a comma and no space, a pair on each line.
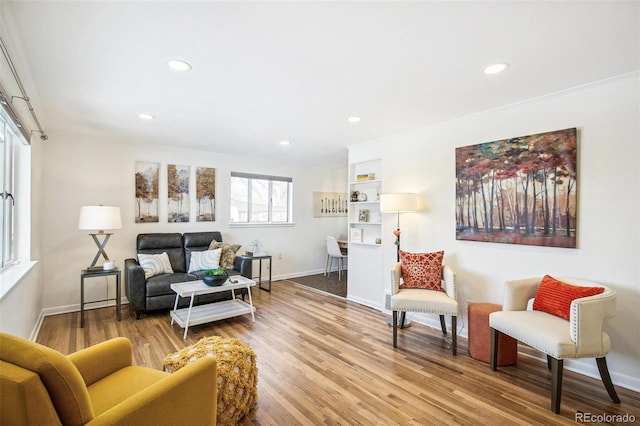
201,314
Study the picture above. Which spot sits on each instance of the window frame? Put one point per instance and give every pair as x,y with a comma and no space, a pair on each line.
12,140
250,177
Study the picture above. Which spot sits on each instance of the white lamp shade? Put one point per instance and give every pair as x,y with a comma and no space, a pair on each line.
99,218
397,203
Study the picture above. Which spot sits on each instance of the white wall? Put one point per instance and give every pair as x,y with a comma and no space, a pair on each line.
607,117
79,173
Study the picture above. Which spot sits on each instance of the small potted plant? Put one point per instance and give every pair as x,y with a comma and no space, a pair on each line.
215,277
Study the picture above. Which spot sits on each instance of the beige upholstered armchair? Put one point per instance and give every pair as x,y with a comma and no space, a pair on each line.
579,336
426,301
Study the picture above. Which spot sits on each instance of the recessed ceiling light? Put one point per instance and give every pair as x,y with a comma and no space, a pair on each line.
144,116
284,143
354,119
496,68
179,65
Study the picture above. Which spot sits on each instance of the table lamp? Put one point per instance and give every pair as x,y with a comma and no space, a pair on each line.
99,218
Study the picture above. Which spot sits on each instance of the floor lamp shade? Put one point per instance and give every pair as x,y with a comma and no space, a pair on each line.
99,218
398,203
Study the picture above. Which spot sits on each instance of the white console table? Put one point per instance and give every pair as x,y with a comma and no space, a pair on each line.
194,315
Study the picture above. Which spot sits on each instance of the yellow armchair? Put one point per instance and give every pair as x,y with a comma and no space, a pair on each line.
99,386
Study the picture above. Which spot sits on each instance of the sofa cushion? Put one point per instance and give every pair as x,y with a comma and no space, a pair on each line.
155,264
422,270
197,241
121,385
554,297
203,260
171,243
228,253
161,284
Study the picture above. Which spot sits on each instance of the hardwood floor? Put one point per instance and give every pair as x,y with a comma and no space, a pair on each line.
325,360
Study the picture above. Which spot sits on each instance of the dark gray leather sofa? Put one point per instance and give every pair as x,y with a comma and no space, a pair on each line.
155,293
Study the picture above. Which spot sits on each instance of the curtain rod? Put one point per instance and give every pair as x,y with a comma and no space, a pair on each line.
7,101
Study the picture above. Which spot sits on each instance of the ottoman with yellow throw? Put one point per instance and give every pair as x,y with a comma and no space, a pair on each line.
237,374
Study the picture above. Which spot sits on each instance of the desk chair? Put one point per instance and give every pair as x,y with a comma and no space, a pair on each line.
333,251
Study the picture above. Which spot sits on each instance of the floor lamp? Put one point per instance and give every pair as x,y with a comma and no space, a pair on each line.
398,203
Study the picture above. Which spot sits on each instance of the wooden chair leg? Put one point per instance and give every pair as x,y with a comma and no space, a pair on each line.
454,335
395,328
403,315
606,379
339,268
556,384
443,325
549,362
494,349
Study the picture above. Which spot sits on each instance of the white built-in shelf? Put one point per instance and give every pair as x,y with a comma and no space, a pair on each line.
359,243
361,182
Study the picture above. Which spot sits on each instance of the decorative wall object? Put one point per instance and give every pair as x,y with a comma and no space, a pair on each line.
521,190
205,194
330,204
177,193
363,215
356,235
146,187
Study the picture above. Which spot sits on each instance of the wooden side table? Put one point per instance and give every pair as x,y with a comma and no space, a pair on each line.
92,274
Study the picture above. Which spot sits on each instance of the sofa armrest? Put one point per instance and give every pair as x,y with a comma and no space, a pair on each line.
188,396
243,264
98,361
134,285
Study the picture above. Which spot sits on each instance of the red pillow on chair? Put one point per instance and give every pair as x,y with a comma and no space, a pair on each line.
422,270
554,297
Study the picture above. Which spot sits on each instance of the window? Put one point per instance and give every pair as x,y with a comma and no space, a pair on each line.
11,144
260,199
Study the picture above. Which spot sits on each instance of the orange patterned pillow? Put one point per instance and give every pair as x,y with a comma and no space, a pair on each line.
422,270
554,297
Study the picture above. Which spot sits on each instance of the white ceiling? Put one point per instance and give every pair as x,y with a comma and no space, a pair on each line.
267,71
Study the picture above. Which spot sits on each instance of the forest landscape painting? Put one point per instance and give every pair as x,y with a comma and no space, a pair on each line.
177,193
521,190
206,194
146,185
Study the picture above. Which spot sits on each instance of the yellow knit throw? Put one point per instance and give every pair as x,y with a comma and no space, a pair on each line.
237,374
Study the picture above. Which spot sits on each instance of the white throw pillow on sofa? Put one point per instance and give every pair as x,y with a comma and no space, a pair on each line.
155,264
207,259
